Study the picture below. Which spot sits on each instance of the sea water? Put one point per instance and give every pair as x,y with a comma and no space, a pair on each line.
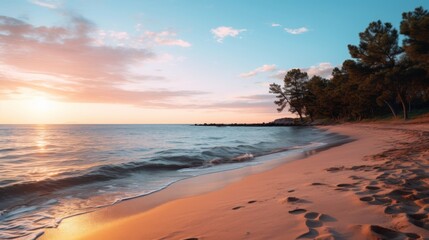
50,172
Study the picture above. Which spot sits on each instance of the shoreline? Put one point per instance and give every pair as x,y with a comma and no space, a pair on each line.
213,181
220,205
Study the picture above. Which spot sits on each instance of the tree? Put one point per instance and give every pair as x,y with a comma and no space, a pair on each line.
407,81
357,90
315,97
378,47
378,51
381,77
292,93
415,26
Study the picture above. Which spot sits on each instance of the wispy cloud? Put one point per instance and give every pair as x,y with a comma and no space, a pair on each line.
263,68
323,69
67,64
296,31
222,32
147,38
275,25
166,38
46,3
259,103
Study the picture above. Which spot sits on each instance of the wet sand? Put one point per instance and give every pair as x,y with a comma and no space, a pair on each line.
374,187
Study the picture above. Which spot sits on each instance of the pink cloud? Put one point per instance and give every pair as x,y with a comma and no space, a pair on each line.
222,32
148,38
323,69
65,62
263,68
259,103
165,38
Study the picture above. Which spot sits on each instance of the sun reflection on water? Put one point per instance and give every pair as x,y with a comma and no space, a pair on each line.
41,141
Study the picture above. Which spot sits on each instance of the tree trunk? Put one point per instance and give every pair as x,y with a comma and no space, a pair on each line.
391,108
300,116
404,106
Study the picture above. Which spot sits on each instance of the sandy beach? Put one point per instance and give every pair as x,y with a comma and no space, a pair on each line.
214,120
375,187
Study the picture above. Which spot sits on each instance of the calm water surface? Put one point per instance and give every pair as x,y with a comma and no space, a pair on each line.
49,172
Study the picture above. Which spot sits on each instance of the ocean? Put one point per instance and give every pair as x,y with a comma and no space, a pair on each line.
51,172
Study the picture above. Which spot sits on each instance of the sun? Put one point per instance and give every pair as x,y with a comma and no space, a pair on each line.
40,109
41,104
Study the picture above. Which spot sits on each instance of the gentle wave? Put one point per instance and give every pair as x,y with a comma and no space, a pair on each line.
53,172
109,172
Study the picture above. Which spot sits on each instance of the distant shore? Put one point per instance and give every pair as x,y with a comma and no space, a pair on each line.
374,187
281,122
246,125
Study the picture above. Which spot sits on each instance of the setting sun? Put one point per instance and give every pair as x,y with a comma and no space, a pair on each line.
41,104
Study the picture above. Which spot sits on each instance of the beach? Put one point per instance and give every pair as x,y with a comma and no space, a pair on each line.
373,187
140,121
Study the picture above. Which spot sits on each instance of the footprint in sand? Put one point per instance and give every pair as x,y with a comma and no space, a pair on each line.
318,184
292,199
399,193
335,169
312,233
392,209
376,200
386,233
313,223
297,211
353,177
367,199
345,185
372,188
316,220
192,238
420,220
326,218
238,207
251,201
312,215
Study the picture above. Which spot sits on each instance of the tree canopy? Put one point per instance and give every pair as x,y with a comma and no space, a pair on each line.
381,77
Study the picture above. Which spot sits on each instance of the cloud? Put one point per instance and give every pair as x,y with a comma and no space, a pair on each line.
280,74
261,103
148,38
296,31
222,32
275,25
119,35
258,97
65,63
263,68
323,69
165,38
46,3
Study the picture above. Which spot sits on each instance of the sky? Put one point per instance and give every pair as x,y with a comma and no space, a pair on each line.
169,61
